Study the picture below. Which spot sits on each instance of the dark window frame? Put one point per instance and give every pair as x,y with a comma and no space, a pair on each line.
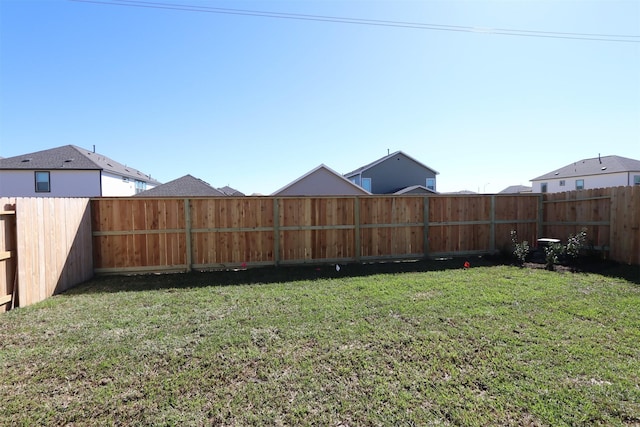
431,187
36,174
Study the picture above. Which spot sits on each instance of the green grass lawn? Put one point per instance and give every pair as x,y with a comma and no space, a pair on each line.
492,345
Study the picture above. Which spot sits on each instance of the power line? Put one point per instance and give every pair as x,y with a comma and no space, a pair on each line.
618,38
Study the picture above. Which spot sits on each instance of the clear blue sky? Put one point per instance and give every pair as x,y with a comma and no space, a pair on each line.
255,102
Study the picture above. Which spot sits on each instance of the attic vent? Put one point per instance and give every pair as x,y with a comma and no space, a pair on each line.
26,160
603,168
68,161
557,173
109,164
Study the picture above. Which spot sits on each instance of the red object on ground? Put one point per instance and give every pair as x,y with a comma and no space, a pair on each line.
466,264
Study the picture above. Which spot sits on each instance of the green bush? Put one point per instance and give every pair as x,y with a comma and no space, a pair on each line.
520,250
576,243
572,249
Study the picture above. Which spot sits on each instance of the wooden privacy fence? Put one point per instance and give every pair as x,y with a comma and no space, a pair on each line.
47,241
137,235
48,245
610,215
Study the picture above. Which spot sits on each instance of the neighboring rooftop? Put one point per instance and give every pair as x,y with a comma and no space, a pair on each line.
320,181
515,189
372,164
414,189
229,191
186,186
596,166
73,158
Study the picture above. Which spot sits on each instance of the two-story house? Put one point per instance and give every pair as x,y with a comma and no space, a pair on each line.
69,171
598,172
396,173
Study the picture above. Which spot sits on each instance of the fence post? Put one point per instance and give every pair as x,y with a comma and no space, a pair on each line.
613,222
356,219
492,227
425,232
539,233
276,231
187,226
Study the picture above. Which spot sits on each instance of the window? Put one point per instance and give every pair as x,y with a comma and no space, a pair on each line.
366,184
43,182
543,187
140,186
431,184
562,182
579,184
636,180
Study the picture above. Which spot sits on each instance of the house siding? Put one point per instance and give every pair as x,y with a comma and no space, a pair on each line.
321,183
64,183
395,173
590,182
118,186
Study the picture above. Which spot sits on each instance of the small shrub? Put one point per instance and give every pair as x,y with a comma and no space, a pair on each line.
552,254
520,250
576,243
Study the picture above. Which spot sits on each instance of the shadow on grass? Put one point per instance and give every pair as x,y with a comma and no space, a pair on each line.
265,275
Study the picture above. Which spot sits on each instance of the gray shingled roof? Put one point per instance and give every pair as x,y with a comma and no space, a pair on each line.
513,189
186,186
73,158
382,159
412,188
230,191
596,166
